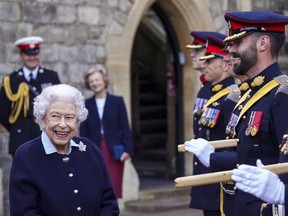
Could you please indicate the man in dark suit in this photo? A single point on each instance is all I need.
(19, 90)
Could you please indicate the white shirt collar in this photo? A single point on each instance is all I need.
(49, 147)
(27, 72)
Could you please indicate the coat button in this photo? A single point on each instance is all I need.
(71, 174)
(78, 208)
(195, 163)
(66, 159)
(19, 131)
(75, 191)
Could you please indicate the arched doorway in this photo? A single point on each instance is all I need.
(184, 15)
(156, 84)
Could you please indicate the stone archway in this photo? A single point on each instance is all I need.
(185, 15)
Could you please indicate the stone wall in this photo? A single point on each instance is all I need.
(75, 32)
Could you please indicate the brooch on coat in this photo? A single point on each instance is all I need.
(81, 146)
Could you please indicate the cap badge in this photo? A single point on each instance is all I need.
(229, 25)
(32, 46)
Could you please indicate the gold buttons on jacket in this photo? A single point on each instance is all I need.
(71, 175)
(78, 208)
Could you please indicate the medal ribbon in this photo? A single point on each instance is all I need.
(257, 96)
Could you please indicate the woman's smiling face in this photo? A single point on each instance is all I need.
(60, 124)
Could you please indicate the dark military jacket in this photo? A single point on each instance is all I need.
(25, 128)
(260, 130)
(211, 127)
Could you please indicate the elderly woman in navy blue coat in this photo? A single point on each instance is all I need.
(58, 173)
(107, 125)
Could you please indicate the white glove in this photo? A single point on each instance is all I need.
(234, 93)
(201, 148)
(259, 182)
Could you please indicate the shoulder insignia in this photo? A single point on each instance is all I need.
(217, 88)
(283, 81)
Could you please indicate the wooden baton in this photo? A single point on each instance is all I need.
(216, 177)
(216, 144)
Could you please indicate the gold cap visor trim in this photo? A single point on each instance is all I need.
(189, 46)
(202, 58)
(234, 37)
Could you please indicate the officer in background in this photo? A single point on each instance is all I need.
(19, 90)
(198, 48)
(212, 122)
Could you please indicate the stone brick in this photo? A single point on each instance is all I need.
(68, 54)
(5, 68)
(88, 15)
(72, 34)
(12, 53)
(50, 53)
(24, 30)
(115, 28)
(100, 53)
(120, 17)
(88, 54)
(66, 15)
(106, 15)
(94, 32)
(125, 5)
(31, 13)
(10, 12)
(7, 32)
(113, 3)
(76, 72)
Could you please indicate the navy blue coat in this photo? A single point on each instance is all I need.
(199, 198)
(115, 123)
(42, 184)
(25, 128)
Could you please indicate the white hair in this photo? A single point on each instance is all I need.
(54, 93)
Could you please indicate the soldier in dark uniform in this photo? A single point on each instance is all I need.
(260, 114)
(212, 122)
(19, 90)
(198, 48)
(227, 188)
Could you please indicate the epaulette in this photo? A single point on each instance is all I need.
(283, 81)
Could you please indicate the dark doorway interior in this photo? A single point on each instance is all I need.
(156, 112)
